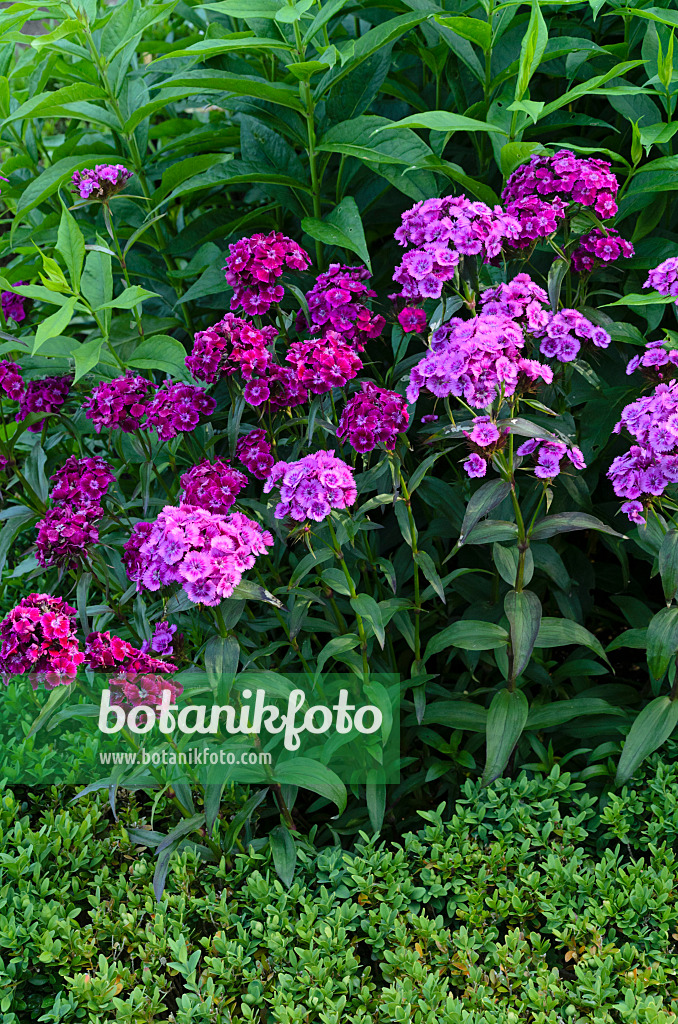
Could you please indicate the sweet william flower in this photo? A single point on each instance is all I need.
(177, 407)
(81, 482)
(66, 534)
(39, 638)
(212, 485)
(231, 345)
(312, 486)
(475, 465)
(373, 416)
(13, 305)
(412, 320)
(336, 303)
(254, 452)
(120, 404)
(101, 182)
(254, 266)
(664, 278)
(44, 396)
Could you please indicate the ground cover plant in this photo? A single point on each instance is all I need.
(341, 338)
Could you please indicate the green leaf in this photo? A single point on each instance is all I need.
(222, 656)
(443, 121)
(161, 352)
(51, 104)
(208, 48)
(128, 299)
(456, 714)
(468, 635)
(360, 49)
(668, 564)
(343, 227)
(562, 632)
(486, 498)
(651, 729)
(566, 522)
(633, 638)
(206, 80)
(284, 852)
(375, 796)
(512, 154)
(86, 355)
(476, 31)
(425, 563)
(71, 245)
(338, 645)
(649, 299)
(523, 610)
(55, 325)
(97, 279)
(368, 610)
(586, 88)
(531, 49)
(490, 531)
(506, 720)
(662, 641)
(547, 716)
(9, 531)
(56, 698)
(314, 776)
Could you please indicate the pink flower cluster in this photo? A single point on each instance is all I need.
(521, 299)
(564, 333)
(138, 679)
(13, 305)
(474, 359)
(82, 482)
(212, 485)
(311, 487)
(373, 416)
(549, 456)
(654, 357)
(537, 218)
(254, 451)
(599, 247)
(119, 404)
(442, 231)
(324, 363)
(232, 344)
(44, 396)
(11, 381)
(412, 320)
(101, 182)
(664, 278)
(205, 552)
(335, 302)
(178, 407)
(38, 636)
(254, 266)
(65, 535)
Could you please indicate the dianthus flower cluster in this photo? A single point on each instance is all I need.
(138, 678)
(13, 305)
(120, 404)
(254, 451)
(11, 381)
(232, 344)
(212, 485)
(653, 358)
(564, 333)
(484, 432)
(311, 487)
(162, 641)
(335, 301)
(664, 278)
(412, 320)
(473, 359)
(102, 181)
(178, 407)
(44, 396)
(205, 552)
(549, 456)
(38, 636)
(281, 387)
(373, 416)
(65, 535)
(442, 231)
(521, 299)
(254, 266)
(486, 435)
(556, 182)
(598, 247)
(82, 482)
(324, 363)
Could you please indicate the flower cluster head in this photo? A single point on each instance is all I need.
(412, 320)
(11, 381)
(178, 407)
(311, 487)
(335, 302)
(473, 359)
(281, 387)
(521, 299)
(441, 232)
(81, 482)
(44, 396)
(120, 404)
(101, 182)
(654, 357)
(66, 534)
(564, 333)
(38, 636)
(13, 305)
(373, 416)
(205, 552)
(254, 266)
(212, 485)
(549, 456)
(162, 641)
(254, 452)
(323, 363)
(475, 465)
(558, 181)
(597, 247)
(664, 278)
(232, 344)
(484, 432)
(137, 677)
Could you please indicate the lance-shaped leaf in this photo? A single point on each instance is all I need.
(506, 720)
(566, 522)
(651, 729)
(523, 610)
(668, 564)
(482, 502)
(662, 641)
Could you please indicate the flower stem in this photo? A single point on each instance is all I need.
(351, 587)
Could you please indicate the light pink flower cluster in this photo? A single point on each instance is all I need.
(336, 302)
(38, 637)
(254, 451)
(205, 552)
(521, 299)
(102, 181)
(178, 407)
(44, 396)
(254, 266)
(11, 381)
(598, 247)
(81, 482)
(232, 344)
(120, 404)
(324, 363)
(373, 416)
(311, 487)
(212, 485)
(549, 456)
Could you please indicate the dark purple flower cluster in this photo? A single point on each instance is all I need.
(81, 482)
(254, 451)
(13, 305)
(212, 485)
(281, 387)
(120, 404)
(11, 381)
(44, 396)
(38, 636)
(664, 278)
(599, 247)
(254, 266)
(66, 534)
(232, 344)
(441, 232)
(311, 487)
(162, 641)
(101, 182)
(178, 407)
(324, 363)
(549, 456)
(336, 301)
(373, 416)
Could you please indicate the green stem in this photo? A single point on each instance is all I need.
(351, 587)
(415, 551)
(108, 220)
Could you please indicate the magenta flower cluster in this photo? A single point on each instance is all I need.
(254, 266)
(43, 396)
(664, 278)
(137, 678)
(232, 344)
(412, 320)
(65, 535)
(11, 381)
(373, 416)
(82, 482)
(254, 452)
(13, 305)
(38, 637)
(321, 364)
(212, 485)
(119, 404)
(280, 387)
(177, 407)
(598, 247)
(311, 487)
(205, 552)
(101, 182)
(336, 301)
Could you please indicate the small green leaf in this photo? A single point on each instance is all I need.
(486, 498)
(161, 352)
(284, 852)
(531, 49)
(368, 610)
(668, 564)
(662, 641)
(468, 635)
(473, 29)
(442, 121)
(55, 325)
(71, 245)
(128, 299)
(86, 356)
